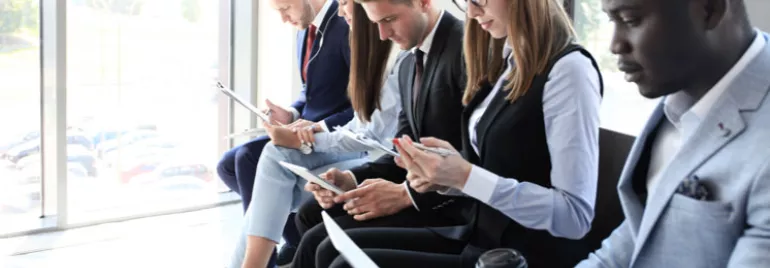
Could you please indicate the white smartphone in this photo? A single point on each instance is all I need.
(304, 173)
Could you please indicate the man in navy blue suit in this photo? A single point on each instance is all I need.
(324, 68)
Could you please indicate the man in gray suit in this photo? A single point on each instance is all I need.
(695, 190)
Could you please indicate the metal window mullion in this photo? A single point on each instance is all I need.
(53, 97)
(224, 111)
(244, 64)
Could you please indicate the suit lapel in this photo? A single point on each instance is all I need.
(302, 39)
(720, 126)
(496, 106)
(629, 199)
(331, 14)
(467, 112)
(408, 67)
(434, 56)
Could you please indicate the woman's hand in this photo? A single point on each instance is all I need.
(428, 171)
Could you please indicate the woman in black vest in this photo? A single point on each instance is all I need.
(530, 147)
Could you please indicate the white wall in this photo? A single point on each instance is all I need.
(759, 13)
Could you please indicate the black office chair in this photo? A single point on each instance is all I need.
(613, 150)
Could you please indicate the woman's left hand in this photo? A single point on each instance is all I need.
(430, 169)
(306, 133)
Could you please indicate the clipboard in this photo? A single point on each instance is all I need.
(231, 94)
(304, 173)
(353, 254)
(360, 138)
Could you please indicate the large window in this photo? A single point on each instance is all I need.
(20, 180)
(142, 114)
(623, 108)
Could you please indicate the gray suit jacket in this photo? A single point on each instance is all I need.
(730, 230)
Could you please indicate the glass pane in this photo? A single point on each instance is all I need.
(141, 107)
(623, 108)
(20, 170)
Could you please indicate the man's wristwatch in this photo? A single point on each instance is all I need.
(305, 148)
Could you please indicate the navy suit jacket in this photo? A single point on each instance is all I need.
(324, 94)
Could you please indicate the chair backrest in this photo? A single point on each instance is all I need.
(613, 150)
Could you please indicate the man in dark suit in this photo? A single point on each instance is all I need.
(431, 80)
(323, 102)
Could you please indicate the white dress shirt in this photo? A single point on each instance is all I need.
(317, 21)
(571, 100)
(684, 114)
(428, 41)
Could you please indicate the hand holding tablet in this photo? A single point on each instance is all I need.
(304, 173)
(231, 94)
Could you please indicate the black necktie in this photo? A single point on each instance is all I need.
(418, 68)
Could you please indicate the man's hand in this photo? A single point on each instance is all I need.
(300, 123)
(278, 114)
(334, 176)
(375, 198)
(282, 136)
(423, 186)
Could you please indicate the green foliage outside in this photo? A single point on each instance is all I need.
(18, 15)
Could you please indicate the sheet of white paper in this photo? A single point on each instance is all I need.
(350, 251)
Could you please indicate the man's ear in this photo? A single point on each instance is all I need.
(423, 5)
(714, 12)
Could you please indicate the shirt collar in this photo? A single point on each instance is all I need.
(319, 18)
(428, 41)
(508, 57)
(680, 103)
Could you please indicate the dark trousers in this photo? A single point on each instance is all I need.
(237, 169)
(397, 247)
(313, 232)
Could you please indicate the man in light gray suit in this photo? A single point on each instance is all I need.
(695, 190)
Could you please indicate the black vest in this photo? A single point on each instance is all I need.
(512, 144)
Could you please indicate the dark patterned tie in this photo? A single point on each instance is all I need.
(418, 69)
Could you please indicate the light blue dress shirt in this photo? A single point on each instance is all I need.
(382, 126)
(571, 101)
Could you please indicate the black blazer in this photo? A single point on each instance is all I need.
(439, 107)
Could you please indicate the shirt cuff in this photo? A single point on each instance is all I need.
(294, 114)
(353, 176)
(481, 184)
(323, 126)
(409, 193)
(450, 192)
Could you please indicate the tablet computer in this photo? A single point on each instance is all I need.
(360, 138)
(231, 94)
(304, 173)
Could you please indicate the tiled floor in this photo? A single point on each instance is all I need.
(195, 239)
